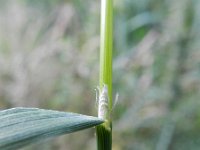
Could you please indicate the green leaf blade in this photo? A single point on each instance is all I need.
(22, 126)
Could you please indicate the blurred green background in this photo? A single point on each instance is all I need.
(49, 58)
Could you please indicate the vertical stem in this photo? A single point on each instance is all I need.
(106, 47)
(104, 131)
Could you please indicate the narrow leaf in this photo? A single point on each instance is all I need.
(22, 126)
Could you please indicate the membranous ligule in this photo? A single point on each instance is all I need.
(103, 103)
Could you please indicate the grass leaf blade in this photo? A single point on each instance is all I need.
(22, 126)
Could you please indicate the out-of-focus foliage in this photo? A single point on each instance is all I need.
(49, 58)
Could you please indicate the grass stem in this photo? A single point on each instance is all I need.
(104, 131)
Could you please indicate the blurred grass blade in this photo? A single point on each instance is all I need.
(22, 126)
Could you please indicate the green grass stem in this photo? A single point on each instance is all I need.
(104, 131)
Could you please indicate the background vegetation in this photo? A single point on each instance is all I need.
(49, 55)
